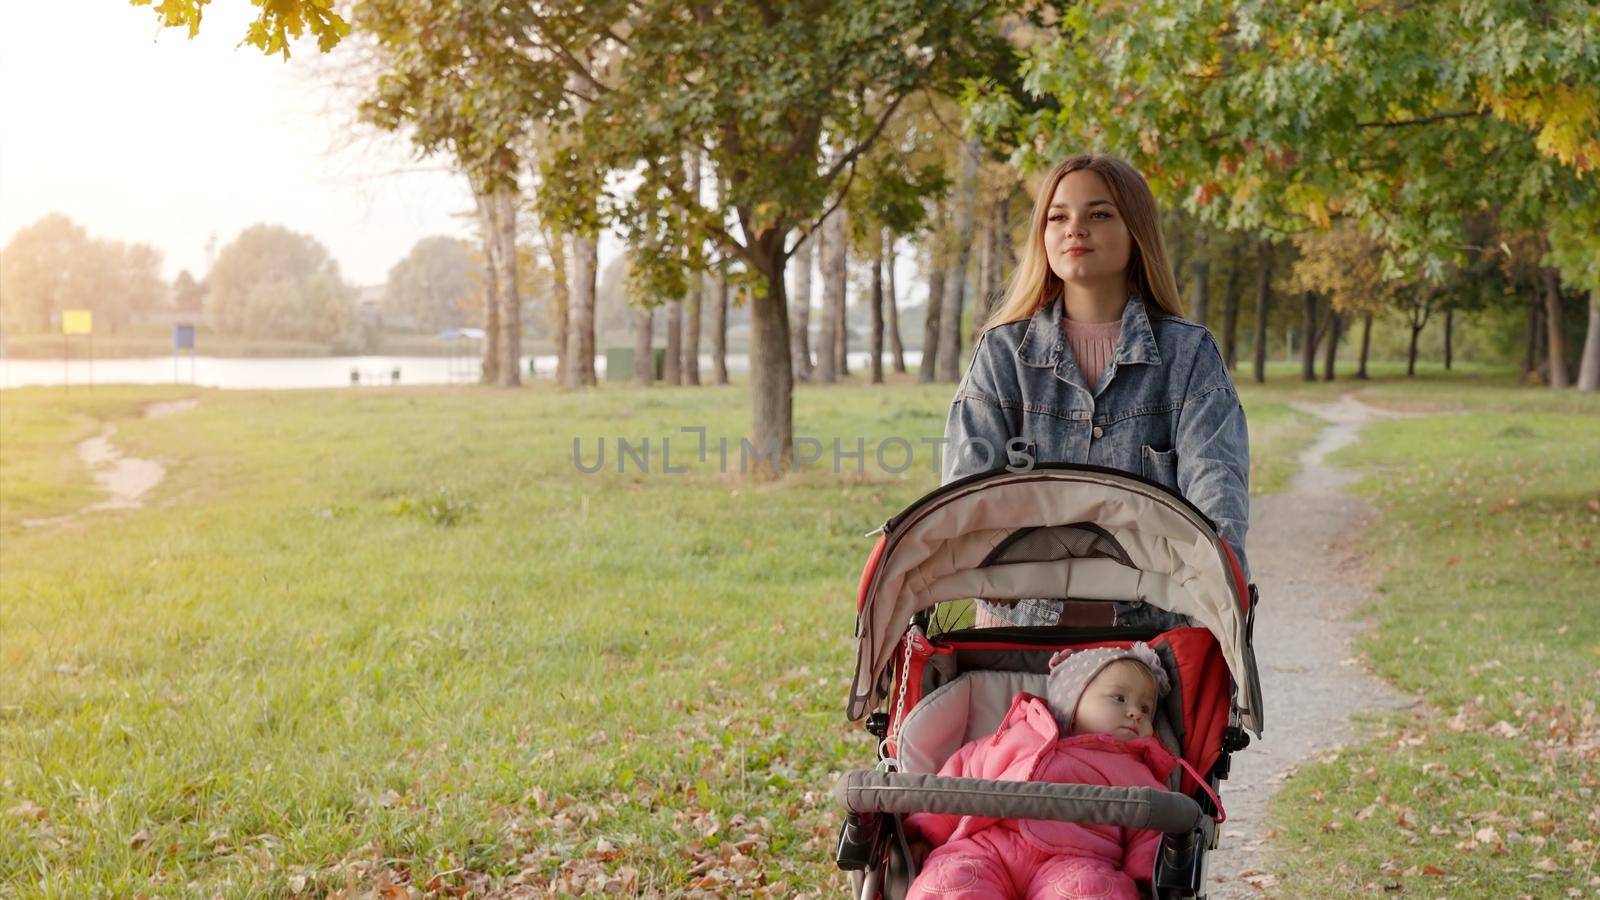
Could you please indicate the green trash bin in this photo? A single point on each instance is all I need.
(619, 363)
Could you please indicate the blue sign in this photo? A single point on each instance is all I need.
(183, 337)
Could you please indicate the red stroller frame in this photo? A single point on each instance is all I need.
(1078, 533)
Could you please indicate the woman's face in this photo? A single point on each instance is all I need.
(1085, 237)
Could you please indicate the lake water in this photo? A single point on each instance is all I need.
(300, 372)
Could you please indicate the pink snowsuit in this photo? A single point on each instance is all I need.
(983, 857)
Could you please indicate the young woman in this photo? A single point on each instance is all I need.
(1087, 360)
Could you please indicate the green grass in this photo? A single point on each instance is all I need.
(1487, 561)
(359, 636)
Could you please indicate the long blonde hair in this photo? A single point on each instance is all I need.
(1149, 273)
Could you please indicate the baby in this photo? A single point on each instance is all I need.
(1096, 729)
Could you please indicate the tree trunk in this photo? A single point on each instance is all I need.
(1366, 344)
(771, 379)
(691, 330)
(876, 340)
(986, 265)
(830, 253)
(1530, 346)
(1178, 245)
(689, 367)
(1308, 352)
(1230, 313)
(930, 323)
(1200, 306)
(1263, 302)
(1335, 326)
(510, 370)
(897, 350)
(491, 288)
(719, 332)
(841, 312)
(1555, 324)
(671, 368)
(560, 309)
(1589, 363)
(1541, 351)
(580, 340)
(644, 363)
(1002, 260)
(1417, 324)
(955, 283)
(841, 325)
(1449, 336)
(800, 308)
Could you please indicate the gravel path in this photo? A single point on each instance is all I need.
(1312, 580)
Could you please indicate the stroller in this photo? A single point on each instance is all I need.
(1116, 549)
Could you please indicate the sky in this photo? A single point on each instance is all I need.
(139, 134)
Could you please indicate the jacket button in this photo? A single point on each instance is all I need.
(1098, 431)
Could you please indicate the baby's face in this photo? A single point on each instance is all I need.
(1119, 702)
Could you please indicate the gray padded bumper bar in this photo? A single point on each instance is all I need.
(871, 791)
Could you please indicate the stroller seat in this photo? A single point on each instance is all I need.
(970, 706)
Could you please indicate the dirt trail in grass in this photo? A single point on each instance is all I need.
(125, 479)
(1303, 546)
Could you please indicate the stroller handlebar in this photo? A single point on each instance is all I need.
(872, 791)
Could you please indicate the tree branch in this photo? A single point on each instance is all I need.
(1425, 120)
(849, 158)
(843, 192)
(550, 44)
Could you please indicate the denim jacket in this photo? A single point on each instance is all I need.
(1164, 408)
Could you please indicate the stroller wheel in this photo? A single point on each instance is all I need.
(866, 885)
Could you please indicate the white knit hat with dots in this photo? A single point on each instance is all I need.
(1072, 670)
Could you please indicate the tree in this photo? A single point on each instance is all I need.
(1264, 255)
(433, 285)
(278, 22)
(1342, 263)
(756, 89)
(188, 295)
(800, 307)
(719, 330)
(692, 303)
(561, 300)
(1230, 304)
(897, 350)
(54, 264)
(832, 268)
(886, 201)
(955, 282)
(275, 283)
(454, 75)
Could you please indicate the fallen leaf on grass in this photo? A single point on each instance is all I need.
(28, 812)
(139, 839)
(1434, 871)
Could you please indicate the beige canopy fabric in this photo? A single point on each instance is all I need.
(936, 551)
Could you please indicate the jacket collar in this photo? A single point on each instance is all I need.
(1044, 342)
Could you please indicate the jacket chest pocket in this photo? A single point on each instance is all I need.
(1160, 466)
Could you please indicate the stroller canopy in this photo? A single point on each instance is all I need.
(960, 542)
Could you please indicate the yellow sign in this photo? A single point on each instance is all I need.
(77, 321)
